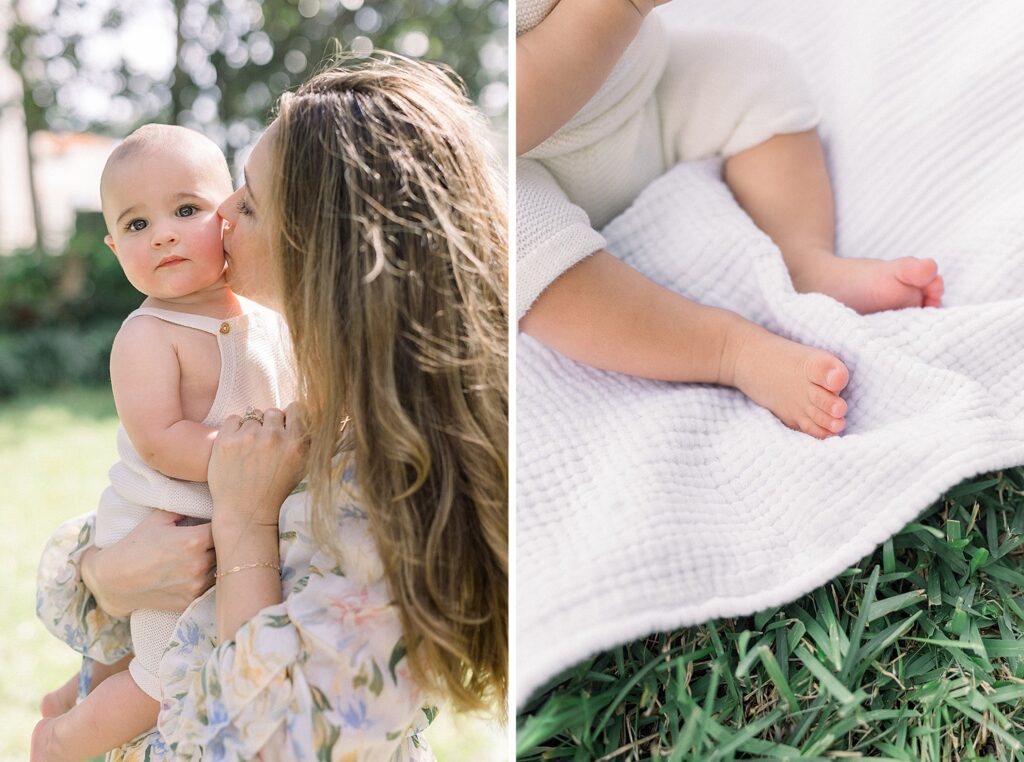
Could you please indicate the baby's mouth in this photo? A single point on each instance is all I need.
(170, 261)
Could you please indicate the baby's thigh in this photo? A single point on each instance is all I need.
(725, 91)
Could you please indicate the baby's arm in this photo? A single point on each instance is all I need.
(562, 61)
(146, 378)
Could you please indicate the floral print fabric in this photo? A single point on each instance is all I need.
(320, 676)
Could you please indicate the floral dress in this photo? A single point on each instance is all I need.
(320, 676)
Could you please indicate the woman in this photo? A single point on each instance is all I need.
(371, 219)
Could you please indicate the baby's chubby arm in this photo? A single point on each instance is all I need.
(146, 378)
(562, 61)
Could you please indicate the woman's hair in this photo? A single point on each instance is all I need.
(393, 248)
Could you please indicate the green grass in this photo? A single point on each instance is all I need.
(916, 653)
(55, 450)
(54, 454)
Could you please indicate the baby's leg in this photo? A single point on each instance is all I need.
(604, 313)
(55, 703)
(113, 714)
(783, 185)
(743, 97)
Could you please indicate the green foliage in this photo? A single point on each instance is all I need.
(59, 314)
(54, 356)
(94, 286)
(916, 653)
(81, 286)
(27, 282)
(233, 59)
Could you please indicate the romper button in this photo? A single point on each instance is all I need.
(225, 328)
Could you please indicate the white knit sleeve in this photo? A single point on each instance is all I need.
(552, 233)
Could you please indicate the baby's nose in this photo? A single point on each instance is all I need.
(164, 238)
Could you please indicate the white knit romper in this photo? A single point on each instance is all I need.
(256, 368)
(673, 96)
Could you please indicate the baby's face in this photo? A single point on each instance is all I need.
(161, 208)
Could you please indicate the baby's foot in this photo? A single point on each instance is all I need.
(55, 703)
(46, 744)
(799, 384)
(873, 285)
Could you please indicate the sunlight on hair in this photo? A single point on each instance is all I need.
(393, 239)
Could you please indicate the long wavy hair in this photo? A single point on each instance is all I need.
(393, 246)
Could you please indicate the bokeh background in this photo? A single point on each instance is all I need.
(75, 77)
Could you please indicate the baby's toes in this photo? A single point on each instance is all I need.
(830, 423)
(916, 272)
(826, 401)
(933, 292)
(808, 426)
(826, 371)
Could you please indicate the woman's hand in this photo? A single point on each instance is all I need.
(255, 467)
(155, 566)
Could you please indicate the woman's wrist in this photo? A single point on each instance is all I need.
(234, 514)
(237, 543)
(249, 576)
(226, 527)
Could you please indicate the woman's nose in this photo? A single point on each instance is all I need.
(228, 210)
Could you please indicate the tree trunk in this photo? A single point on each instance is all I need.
(32, 113)
(179, 78)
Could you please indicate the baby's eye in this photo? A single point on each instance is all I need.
(243, 208)
(187, 210)
(136, 225)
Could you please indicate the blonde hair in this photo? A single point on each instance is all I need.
(393, 261)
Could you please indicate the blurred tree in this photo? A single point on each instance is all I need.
(83, 66)
(19, 51)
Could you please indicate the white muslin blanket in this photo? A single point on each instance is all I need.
(644, 506)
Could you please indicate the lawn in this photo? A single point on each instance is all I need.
(55, 450)
(915, 654)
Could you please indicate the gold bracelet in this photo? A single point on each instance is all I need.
(255, 565)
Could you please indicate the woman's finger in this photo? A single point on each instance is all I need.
(202, 534)
(231, 423)
(294, 421)
(272, 417)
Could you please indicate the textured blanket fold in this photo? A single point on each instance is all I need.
(644, 505)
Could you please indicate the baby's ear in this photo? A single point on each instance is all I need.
(109, 241)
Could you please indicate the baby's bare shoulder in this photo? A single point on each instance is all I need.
(143, 332)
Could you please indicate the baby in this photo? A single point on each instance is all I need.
(607, 100)
(193, 354)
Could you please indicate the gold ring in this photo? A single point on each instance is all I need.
(251, 414)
